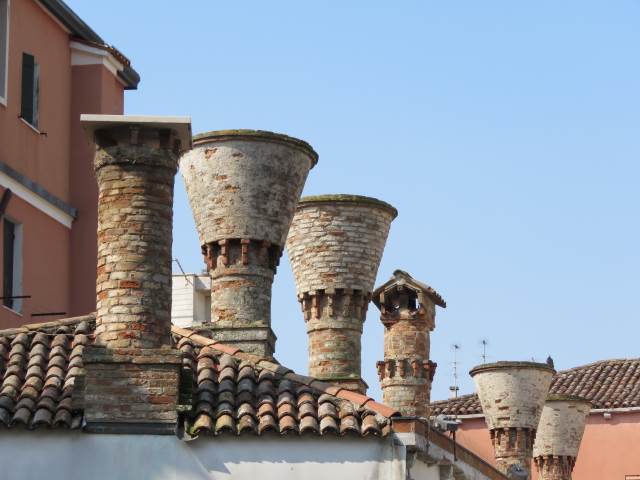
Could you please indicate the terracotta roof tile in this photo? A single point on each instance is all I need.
(237, 395)
(232, 392)
(38, 369)
(606, 384)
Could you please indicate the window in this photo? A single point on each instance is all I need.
(4, 49)
(12, 264)
(30, 89)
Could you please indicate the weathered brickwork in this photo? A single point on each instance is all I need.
(135, 169)
(559, 435)
(126, 387)
(243, 187)
(407, 311)
(336, 241)
(512, 395)
(132, 372)
(335, 246)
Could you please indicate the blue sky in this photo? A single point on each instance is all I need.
(506, 134)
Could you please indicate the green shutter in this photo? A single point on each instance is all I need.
(28, 84)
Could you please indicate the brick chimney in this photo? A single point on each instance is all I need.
(335, 246)
(512, 395)
(408, 312)
(243, 187)
(559, 435)
(132, 372)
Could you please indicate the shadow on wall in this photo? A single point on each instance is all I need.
(74, 456)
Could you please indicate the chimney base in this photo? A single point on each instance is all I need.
(131, 390)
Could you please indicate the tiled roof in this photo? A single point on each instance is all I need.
(39, 367)
(232, 392)
(236, 392)
(606, 384)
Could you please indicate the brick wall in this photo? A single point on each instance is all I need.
(335, 246)
(135, 211)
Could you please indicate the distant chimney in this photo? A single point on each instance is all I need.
(243, 187)
(512, 395)
(132, 371)
(408, 312)
(559, 435)
(335, 246)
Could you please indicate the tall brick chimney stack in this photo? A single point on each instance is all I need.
(559, 435)
(408, 312)
(132, 371)
(243, 187)
(335, 246)
(512, 395)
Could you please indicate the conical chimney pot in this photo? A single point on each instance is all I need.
(243, 187)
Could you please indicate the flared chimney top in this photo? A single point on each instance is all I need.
(335, 246)
(243, 188)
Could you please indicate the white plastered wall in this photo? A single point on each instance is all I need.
(74, 456)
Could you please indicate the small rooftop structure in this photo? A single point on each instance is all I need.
(401, 278)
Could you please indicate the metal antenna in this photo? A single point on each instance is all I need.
(182, 270)
(484, 342)
(454, 388)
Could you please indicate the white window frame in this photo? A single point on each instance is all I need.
(5, 9)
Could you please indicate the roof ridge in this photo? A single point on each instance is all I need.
(598, 362)
(357, 399)
(461, 397)
(36, 327)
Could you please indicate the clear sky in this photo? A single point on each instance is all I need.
(506, 133)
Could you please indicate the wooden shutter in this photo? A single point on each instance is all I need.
(28, 87)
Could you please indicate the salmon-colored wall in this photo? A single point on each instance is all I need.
(42, 158)
(59, 263)
(45, 265)
(95, 90)
(606, 452)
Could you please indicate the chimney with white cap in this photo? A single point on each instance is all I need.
(132, 371)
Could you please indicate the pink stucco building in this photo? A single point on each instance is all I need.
(53, 67)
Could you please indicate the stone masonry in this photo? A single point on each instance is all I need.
(407, 311)
(132, 372)
(559, 435)
(512, 395)
(243, 187)
(335, 246)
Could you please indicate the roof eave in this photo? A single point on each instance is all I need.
(78, 28)
(130, 77)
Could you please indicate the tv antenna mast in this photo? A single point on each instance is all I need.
(455, 388)
(484, 342)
